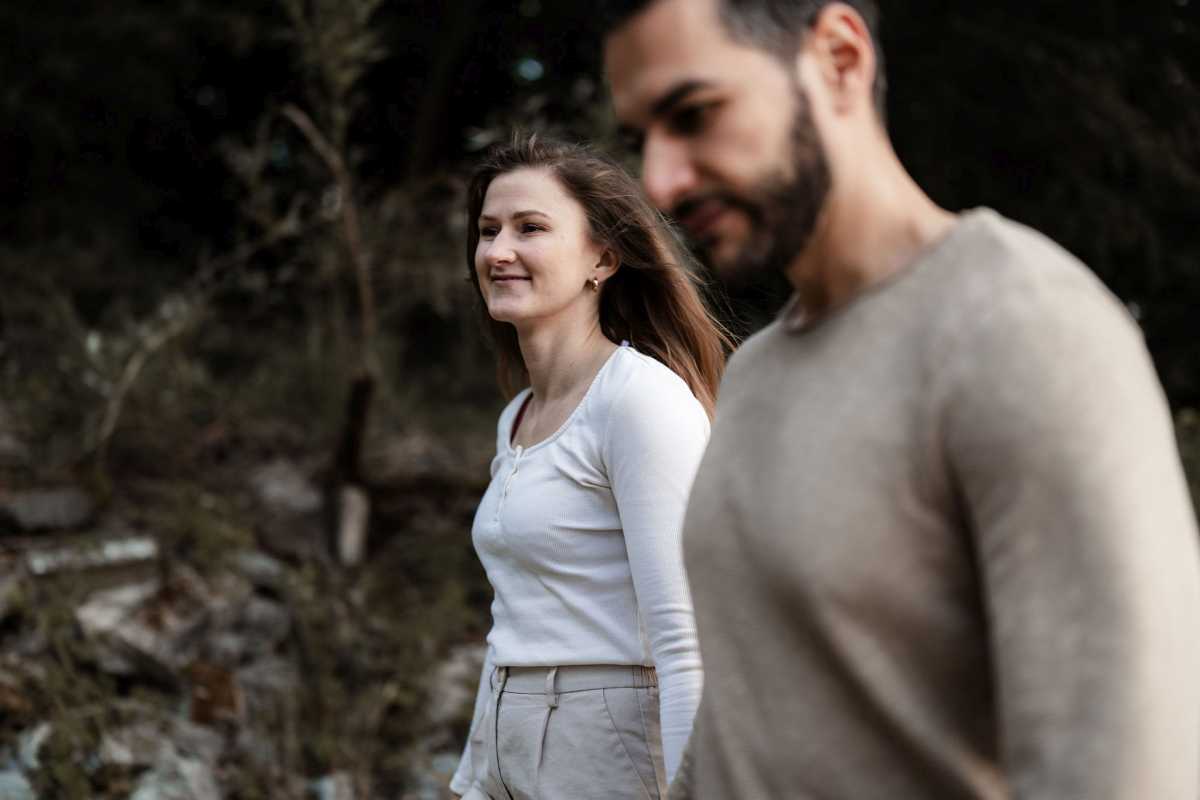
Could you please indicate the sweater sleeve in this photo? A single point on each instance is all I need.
(1060, 441)
(464, 775)
(654, 441)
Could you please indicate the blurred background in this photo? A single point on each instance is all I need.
(246, 406)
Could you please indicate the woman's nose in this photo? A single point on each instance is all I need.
(499, 251)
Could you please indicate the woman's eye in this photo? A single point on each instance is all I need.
(487, 231)
(530, 227)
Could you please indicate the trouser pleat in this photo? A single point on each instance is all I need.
(551, 695)
(501, 677)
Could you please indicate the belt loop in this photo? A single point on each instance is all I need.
(551, 695)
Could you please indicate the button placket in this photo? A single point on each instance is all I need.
(516, 466)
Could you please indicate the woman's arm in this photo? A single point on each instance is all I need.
(464, 776)
(656, 436)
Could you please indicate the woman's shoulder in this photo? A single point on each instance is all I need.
(631, 369)
(637, 383)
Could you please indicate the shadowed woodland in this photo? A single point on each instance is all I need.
(246, 404)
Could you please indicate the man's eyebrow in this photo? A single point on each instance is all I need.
(665, 104)
(677, 95)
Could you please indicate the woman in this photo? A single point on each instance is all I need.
(588, 298)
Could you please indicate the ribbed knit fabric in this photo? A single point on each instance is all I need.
(941, 546)
(580, 538)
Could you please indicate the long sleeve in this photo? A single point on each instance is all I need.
(682, 785)
(1060, 440)
(464, 775)
(653, 447)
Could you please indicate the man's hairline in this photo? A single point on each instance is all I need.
(730, 31)
(750, 42)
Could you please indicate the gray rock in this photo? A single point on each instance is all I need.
(453, 684)
(269, 687)
(226, 648)
(175, 777)
(15, 786)
(147, 744)
(117, 551)
(133, 746)
(260, 569)
(431, 776)
(249, 629)
(265, 623)
(156, 629)
(105, 610)
(258, 749)
(272, 676)
(197, 741)
(104, 613)
(229, 594)
(337, 786)
(29, 746)
(282, 487)
(58, 508)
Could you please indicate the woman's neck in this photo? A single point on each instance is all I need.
(561, 361)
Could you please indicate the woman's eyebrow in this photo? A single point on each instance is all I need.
(530, 212)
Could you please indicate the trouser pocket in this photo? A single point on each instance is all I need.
(591, 745)
(633, 715)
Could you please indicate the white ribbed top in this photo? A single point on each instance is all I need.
(580, 536)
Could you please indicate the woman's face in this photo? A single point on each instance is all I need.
(535, 254)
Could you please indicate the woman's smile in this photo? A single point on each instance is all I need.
(501, 280)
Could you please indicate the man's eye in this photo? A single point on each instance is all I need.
(690, 119)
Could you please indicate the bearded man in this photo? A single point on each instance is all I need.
(941, 543)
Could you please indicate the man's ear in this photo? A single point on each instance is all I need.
(839, 43)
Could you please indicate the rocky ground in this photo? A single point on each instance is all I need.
(206, 638)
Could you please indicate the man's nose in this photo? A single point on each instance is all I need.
(667, 171)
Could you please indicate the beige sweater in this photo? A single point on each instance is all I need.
(941, 546)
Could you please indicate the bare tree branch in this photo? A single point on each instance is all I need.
(351, 226)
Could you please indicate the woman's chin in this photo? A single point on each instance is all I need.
(504, 312)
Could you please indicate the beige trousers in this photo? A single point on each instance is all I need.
(569, 733)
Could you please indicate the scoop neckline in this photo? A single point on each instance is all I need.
(575, 412)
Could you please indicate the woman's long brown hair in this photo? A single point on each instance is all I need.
(653, 300)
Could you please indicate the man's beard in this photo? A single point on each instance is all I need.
(782, 208)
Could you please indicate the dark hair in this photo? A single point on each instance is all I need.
(653, 300)
(775, 26)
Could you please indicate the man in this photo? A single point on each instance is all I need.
(940, 544)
